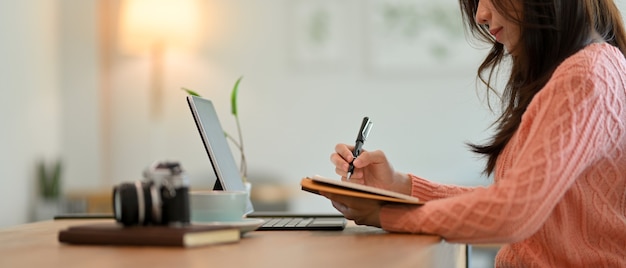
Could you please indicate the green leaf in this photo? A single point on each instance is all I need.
(49, 181)
(190, 92)
(41, 174)
(233, 97)
(55, 180)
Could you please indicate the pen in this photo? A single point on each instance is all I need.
(366, 126)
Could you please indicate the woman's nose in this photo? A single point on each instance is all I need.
(483, 14)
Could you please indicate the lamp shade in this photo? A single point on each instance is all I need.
(171, 24)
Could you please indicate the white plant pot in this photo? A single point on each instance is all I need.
(46, 209)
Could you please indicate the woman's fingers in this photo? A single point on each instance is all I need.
(341, 158)
(345, 151)
(340, 207)
(360, 210)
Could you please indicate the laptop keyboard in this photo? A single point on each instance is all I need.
(287, 222)
(302, 223)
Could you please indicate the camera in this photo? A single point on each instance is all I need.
(162, 199)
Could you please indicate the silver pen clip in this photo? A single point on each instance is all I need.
(366, 130)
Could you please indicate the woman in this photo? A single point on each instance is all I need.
(559, 152)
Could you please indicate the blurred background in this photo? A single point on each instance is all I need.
(93, 87)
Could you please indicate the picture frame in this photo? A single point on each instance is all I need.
(319, 33)
(416, 36)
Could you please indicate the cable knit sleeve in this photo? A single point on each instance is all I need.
(427, 190)
(574, 121)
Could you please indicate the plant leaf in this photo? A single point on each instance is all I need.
(233, 97)
(190, 92)
(41, 173)
(55, 183)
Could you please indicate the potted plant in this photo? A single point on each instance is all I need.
(243, 167)
(49, 190)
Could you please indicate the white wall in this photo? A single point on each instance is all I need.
(292, 113)
(30, 108)
(79, 79)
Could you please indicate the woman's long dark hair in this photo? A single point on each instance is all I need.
(550, 31)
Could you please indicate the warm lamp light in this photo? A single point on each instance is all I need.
(167, 23)
(154, 26)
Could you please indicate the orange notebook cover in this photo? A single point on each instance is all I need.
(317, 183)
(117, 234)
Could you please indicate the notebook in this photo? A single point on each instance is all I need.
(228, 177)
(154, 235)
(318, 183)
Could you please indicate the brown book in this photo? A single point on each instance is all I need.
(318, 184)
(116, 234)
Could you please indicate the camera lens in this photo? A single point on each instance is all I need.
(132, 204)
(162, 199)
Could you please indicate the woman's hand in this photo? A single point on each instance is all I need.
(370, 168)
(361, 211)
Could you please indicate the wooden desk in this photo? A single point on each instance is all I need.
(36, 245)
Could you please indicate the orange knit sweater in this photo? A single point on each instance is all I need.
(559, 197)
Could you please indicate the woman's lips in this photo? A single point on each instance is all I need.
(495, 33)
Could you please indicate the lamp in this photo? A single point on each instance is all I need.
(155, 26)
